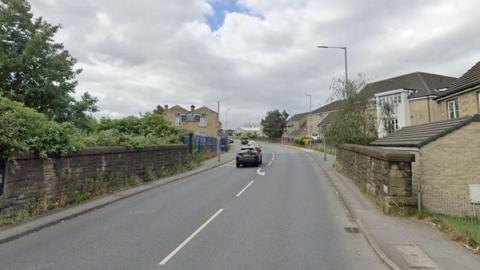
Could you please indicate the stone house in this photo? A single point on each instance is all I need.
(313, 119)
(447, 158)
(202, 121)
(296, 125)
(411, 97)
(462, 98)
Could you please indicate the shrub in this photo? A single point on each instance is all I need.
(25, 130)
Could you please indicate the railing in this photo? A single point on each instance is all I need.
(455, 209)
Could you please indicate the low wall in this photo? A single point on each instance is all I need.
(29, 181)
(385, 175)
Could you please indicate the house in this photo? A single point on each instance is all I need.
(411, 99)
(462, 98)
(314, 118)
(253, 128)
(296, 125)
(202, 121)
(447, 158)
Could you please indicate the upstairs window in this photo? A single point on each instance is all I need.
(203, 121)
(452, 108)
(178, 121)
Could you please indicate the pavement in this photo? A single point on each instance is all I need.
(406, 242)
(284, 214)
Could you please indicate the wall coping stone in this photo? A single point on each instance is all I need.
(380, 153)
(106, 151)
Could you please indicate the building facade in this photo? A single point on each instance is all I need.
(202, 121)
(411, 99)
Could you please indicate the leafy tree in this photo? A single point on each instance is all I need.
(34, 69)
(275, 123)
(355, 120)
(159, 109)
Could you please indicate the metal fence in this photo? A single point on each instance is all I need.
(198, 143)
(454, 205)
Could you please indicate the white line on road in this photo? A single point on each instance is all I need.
(273, 156)
(260, 172)
(185, 242)
(245, 188)
(269, 163)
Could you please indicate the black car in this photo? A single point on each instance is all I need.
(249, 155)
(244, 140)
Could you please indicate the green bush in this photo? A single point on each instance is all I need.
(302, 140)
(25, 130)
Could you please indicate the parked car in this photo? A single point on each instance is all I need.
(249, 155)
(244, 140)
(230, 141)
(315, 137)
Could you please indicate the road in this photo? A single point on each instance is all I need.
(283, 215)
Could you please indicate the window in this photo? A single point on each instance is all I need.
(203, 121)
(178, 121)
(391, 125)
(478, 96)
(452, 108)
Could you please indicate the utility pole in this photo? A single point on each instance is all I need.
(309, 119)
(218, 132)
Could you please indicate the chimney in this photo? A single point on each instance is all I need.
(192, 108)
(166, 107)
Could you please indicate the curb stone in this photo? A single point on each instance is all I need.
(370, 240)
(23, 229)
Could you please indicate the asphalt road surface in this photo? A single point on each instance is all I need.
(283, 215)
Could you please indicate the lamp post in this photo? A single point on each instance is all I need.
(218, 132)
(346, 88)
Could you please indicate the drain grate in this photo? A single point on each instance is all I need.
(351, 229)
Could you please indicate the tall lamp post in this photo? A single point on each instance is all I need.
(226, 119)
(346, 89)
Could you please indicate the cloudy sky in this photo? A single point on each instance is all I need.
(254, 55)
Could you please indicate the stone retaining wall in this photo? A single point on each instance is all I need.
(385, 175)
(29, 181)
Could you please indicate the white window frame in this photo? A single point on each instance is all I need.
(203, 121)
(178, 121)
(452, 109)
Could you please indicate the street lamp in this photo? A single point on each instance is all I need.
(346, 89)
(226, 118)
(310, 97)
(346, 62)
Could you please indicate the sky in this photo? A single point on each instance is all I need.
(254, 55)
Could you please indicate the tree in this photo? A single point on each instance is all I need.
(275, 123)
(159, 109)
(355, 120)
(34, 69)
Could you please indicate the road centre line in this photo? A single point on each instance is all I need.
(269, 163)
(185, 242)
(245, 188)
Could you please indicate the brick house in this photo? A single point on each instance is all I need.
(202, 121)
(411, 97)
(462, 98)
(447, 158)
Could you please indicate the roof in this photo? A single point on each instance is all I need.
(297, 116)
(423, 83)
(332, 106)
(420, 135)
(470, 79)
(299, 130)
(328, 120)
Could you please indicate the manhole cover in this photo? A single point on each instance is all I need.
(416, 257)
(351, 229)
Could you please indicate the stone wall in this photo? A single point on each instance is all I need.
(385, 175)
(468, 104)
(29, 180)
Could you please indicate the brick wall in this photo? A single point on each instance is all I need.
(29, 180)
(385, 175)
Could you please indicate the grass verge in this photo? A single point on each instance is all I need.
(466, 230)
